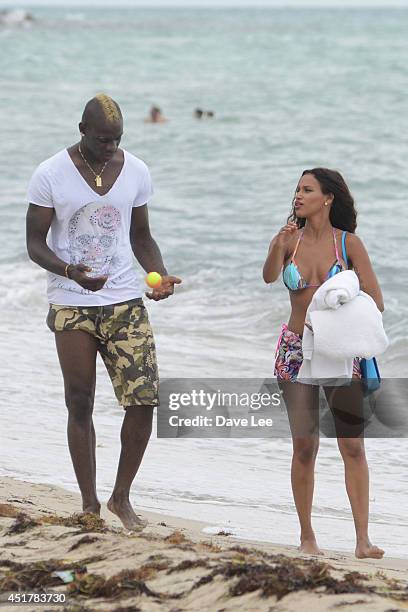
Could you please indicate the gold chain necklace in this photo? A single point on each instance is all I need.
(98, 177)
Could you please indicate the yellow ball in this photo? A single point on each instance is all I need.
(153, 279)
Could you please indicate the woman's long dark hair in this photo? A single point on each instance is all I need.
(343, 214)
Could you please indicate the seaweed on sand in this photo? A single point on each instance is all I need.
(22, 523)
(84, 540)
(8, 511)
(208, 546)
(127, 582)
(75, 608)
(188, 564)
(283, 576)
(127, 609)
(177, 538)
(87, 521)
(37, 575)
(289, 575)
(14, 544)
(154, 563)
(243, 550)
(11, 564)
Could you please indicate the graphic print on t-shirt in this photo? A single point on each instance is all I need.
(93, 237)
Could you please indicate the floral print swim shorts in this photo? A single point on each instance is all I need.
(289, 356)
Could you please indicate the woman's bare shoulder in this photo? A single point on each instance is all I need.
(354, 242)
(351, 239)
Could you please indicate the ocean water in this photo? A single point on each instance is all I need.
(291, 89)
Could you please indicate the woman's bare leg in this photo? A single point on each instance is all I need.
(303, 411)
(346, 404)
(357, 486)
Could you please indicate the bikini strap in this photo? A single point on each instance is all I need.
(296, 247)
(335, 244)
(343, 247)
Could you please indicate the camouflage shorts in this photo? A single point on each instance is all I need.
(125, 343)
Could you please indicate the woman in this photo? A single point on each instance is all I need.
(309, 249)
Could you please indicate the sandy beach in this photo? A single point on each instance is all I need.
(171, 564)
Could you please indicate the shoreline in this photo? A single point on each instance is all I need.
(195, 525)
(193, 565)
(64, 502)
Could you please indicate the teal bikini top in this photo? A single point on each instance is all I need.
(294, 280)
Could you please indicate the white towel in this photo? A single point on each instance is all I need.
(346, 323)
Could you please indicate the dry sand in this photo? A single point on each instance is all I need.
(172, 565)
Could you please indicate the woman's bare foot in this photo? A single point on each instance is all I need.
(125, 512)
(366, 550)
(310, 547)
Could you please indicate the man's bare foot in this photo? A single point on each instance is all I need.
(310, 547)
(123, 510)
(91, 509)
(366, 550)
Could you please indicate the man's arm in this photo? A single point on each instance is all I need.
(148, 253)
(38, 223)
(143, 244)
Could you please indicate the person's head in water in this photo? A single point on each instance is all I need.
(210, 114)
(322, 189)
(155, 115)
(101, 128)
(155, 112)
(198, 113)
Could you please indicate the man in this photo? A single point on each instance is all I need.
(93, 198)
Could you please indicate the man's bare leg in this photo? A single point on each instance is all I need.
(135, 434)
(93, 435)
(77, 355)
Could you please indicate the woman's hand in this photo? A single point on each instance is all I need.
(277, 252)
(285, 234)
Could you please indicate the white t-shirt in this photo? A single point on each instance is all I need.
(90, 228)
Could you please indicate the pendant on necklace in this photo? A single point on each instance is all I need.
(98, 181)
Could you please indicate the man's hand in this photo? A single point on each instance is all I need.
(166, 288)
(92, 283)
